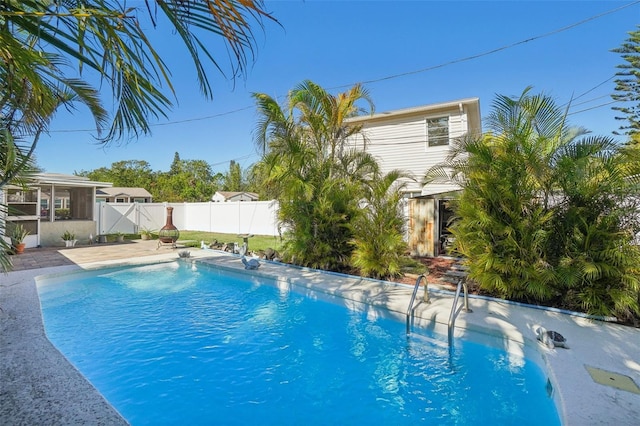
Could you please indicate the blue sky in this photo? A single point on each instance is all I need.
(390, 46)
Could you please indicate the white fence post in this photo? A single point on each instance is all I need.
(246, 217)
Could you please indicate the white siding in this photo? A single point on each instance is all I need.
(401, 143)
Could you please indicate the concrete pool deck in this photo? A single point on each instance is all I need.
(39, 386)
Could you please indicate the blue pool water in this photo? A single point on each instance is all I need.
(166, 344)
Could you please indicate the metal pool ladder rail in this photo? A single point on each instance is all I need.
(425, 298)
(462, 283)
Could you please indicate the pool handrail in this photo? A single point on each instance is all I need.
(425, 298)
(462, 283)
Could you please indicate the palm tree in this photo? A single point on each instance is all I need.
(39, 38)
(307, 166)
(378, 231)
(323, 116)
(47, 49)
(20, 129)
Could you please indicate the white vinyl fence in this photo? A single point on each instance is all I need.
(240, 217)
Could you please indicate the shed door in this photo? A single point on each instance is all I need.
(421, 227)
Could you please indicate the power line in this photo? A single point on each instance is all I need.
(204, 118)
(244, 157)
(431, 68)
(595, 87)
(594, 107)
(590, 100)
(499, 49)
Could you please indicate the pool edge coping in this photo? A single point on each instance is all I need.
(588, 410)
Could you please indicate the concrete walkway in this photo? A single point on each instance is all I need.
(46, 257)
(38, 386)
(594, 382)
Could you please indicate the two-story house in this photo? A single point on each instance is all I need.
(413, 140)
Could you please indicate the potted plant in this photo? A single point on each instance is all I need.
(146, 234)
(119, 237)
(69, 238)
(17, 238)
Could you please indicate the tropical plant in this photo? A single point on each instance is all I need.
(309, 168)
(500, 228)
(16, 166)
(378, 229)
(544, 212)
(68, 236)
(148, 232)
(594, 228)
(110, 38)
(321, 122)
(5, 247)
(107, 41)
(18, 234)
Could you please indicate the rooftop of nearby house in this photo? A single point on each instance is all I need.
(118, 191)
(230, 194)
(66, 180)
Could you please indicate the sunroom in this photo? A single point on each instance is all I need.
(50, 205)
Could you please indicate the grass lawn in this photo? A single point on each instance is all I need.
(257, 242)
(263, 242)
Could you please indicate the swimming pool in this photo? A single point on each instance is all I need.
(167, 344)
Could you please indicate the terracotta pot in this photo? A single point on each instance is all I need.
(20, 248)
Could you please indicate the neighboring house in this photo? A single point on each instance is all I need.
(52, 204)
(413, 140)
(123, 195)
(224, 196)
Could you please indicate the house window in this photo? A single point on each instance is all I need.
(438, 131)
(139, 200)
(121, 200)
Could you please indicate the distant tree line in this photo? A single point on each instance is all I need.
(185, 181)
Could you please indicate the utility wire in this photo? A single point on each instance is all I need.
(590, 100)
(394, 76)
(595, 87)
(499, 49)
(594, 107)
